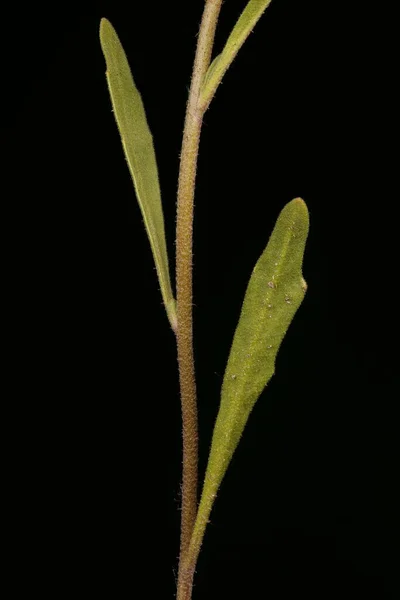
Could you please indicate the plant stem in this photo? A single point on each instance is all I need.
(184, 248)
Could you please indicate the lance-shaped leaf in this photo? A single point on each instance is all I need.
(138, 146)
(274, 293)
(238, 36)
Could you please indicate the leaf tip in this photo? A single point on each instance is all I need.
(297, 211)
(105, 29)
(299, 204)
(104, 23)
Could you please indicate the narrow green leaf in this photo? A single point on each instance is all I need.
(238, 36)
(274, 293)
(138, 146)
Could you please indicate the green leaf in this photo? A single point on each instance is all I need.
(274, 293)
(238, 36)
(138, 146)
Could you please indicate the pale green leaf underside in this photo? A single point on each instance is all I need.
(138, 146)
(274, 293)
(238, 36)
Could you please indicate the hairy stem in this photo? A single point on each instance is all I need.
(184, 248)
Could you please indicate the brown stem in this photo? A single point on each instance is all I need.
(184, 248)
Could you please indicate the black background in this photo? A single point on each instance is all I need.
(309, 108)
